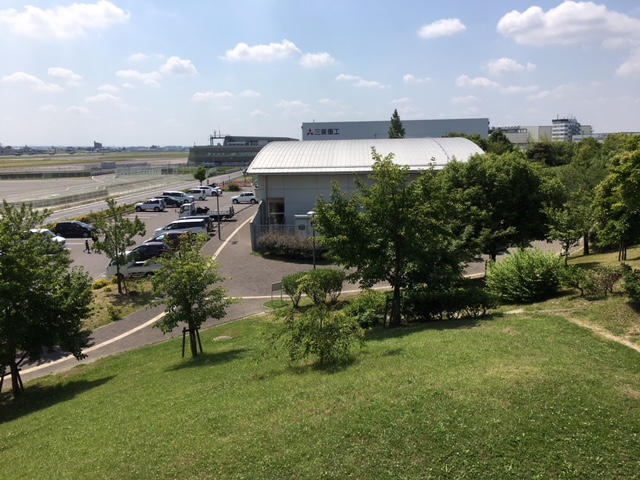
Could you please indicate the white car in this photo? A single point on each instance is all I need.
(155, 204)
(197, 193)
(49, 235)
(212, 191)
(245, 197)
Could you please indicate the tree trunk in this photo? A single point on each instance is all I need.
(585, 242)
(193, 341)
(395, 308)
(16, 382)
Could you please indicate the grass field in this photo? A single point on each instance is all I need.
(508, 397)
(33, 161)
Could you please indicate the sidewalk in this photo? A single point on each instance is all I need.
(248, 278)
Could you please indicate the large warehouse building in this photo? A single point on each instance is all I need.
(291, 175)
(380, 129)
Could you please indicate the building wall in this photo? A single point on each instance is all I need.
(380, 129)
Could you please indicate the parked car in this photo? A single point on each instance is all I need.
(173, 238)
(178, 195)
(245, 197)
(155, 204)
(197, 193)
(75, 229)
(147, 251)
(132, 269)
(196, 225)
(212, 191)
(170, 202)
(49, 235)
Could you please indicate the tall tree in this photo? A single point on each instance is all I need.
(119, 233)
(502, 198)
(42, 302)
(200, 174)
(386, 230)
(396, 130)
(186, 285)
(498, 143)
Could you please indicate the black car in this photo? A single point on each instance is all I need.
(170, 202)
(75, 229)
(148, 250)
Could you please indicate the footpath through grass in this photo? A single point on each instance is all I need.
(510, 397)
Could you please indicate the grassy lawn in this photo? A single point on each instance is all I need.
(508, 397)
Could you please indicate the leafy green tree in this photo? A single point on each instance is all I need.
(396, 130)
(498, 143)
(119, 233)
(565, 226)
(187, 286)
(390, 230)
(200, 174)
(499, 199)
(617, 203)
(475, 138)
(42, 302)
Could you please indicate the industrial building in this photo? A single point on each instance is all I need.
(380, 129)
(291, 175)
(224, 151)
(561, 130)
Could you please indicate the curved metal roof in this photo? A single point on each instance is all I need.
(333, 156)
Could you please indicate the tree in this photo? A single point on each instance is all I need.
(42, 302)
(565, 226)
(389, 231)
(396, 130)
(498, 143)
(119, 233)
(500, 200)
(200, 174)
(186, 285)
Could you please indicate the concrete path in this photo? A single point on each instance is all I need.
(249, 279)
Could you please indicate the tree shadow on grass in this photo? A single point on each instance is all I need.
(382, 334)
(206, 358)
(39, 397)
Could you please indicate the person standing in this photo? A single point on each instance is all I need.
(87, 247)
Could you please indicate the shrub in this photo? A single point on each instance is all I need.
(114, 313)
(423, 304)
(318, 332)
(602, 279)
(234, 187)
(288, 245)
(368, 308)
(631, 282)
(291, 286)
(573, 276)
(527, 275)
(329, 282)
(100, 283)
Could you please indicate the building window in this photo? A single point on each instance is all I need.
(276, 211)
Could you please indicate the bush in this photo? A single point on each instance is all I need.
(573, 276)
(288, 245)
(318, 332)
(316, 284)
(368, 308)
(528, 275)
(423, 304)
(291, 286)
(101, 283)
(631, 282)
(234, 187)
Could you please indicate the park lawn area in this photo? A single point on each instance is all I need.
(518, 396)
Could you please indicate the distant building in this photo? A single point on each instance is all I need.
(561, 130)
(230, 151)
(380, 129)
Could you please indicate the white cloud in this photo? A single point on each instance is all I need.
(358, 81)
(464, 100)
(631, 68)
(400, 101)
(507, 65)
(442, 28)
(293, 107)
(210, 97)
(250, 94)
(177, 66)
(65, 74)
(66, 22)
(520, 90)
(258, 114)
(466, 81)
(151, 78)
(107, 88)
(569, 23)
(412, 79)
(316, 60)
(137, 57)
(102, 97)
(78, 111)
(328, 101)
(261, 53)
(32, 81)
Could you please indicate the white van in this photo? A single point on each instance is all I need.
(180, 196)
(195, 225)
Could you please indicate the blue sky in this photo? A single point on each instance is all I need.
(143, 72)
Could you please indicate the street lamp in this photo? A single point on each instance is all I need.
(218, 205)
(312, 214)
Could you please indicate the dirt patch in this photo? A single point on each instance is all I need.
(603, 332)
(514, 312)
(631, 392)
(509, 331)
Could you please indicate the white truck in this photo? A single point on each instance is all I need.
(132, 269)
(193, 210)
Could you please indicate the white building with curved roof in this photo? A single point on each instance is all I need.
(291, 175)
